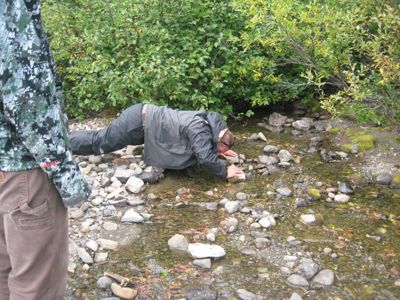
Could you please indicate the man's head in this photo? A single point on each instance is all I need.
(225, 140)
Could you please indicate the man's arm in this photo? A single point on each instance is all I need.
(32, 105)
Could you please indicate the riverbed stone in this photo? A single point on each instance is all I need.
(307, 268)
(276, 119)
(110, 226)
(203, 263)
(384, 178)
(202, 293)
(341, 198)
(123, 174)
(178, 243)
(285, 156)
(246, 295)
(199, 250)
(229, 224)
(92, 245)
(295, 296)
(268, 160)
(242, 196)
(104, 282)
(100, 257)
(345, 188)
(123, 292)
(131, 216)
(232, 206)
(301, 202)
(85, 256)
(135, 185)
(323, 278)
(397, 283)
(298, 281)
(303, 124)
(76, 213)
(270, 149)
(286, 192)
(108, 244)
(262, 137)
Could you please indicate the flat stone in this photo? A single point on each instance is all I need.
(135, 185)
(95, 159)
(284, 191)
(268, 160)
(262, 243)
(123, 292)
(300, 202)
(384, 178)
(92, 245)
(303, 124)
(246, 295)
(341, 198)
(325, 277)
(230, 224)
(100, 257)
(232, 206)
(308, 219)
(202, 293)
(178, 243)
(85, 256)
(76, 213)
(199, 250)
(203, 263)
(270, 149)
(131, 216)
(297, 280)
(108, 244)
(295, 296)
(123, 174)
(110, 226)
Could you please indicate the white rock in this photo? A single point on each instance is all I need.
(178, 243)
(92, 245)
(135, 185)
(85, 256)
(199, 250)
(285, 156)
(131, 216)
(262, 137)
(324, 278)
(342, 198)
(203, 263)
(100, 257)
(108, 244)
(232, 206)
(308, 219)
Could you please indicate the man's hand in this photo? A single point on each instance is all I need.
(228, 153)
(234, 171)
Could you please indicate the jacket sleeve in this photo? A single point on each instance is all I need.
(34, 107)
(201, 143)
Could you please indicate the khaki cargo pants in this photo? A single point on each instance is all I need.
(33, 237)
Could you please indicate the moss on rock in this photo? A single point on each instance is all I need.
(364, 141)
(315, 193)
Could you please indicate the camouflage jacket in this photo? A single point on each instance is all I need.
(33, 130)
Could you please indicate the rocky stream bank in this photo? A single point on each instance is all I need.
(318, 217)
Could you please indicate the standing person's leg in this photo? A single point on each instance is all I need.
(36, 235)
(126, 130)
(5, 266)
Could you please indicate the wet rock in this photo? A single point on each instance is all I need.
(232, 206)
(298, 281)
(135, 185)
(202, 293)
(123, 292)
(345, 188)
(246, 295)
(285, 156)
(268, 160)
(275, 119)
(270, 149)
(341, 198)
(85, 256)
(303, 124)
(104, 282)
(323, 278)
(295, 296)
(284, 192)
(307, 268)
(199, 250)
(178, 243)
(384, 178)
(229, 225)
(131, 216)
(203, 263)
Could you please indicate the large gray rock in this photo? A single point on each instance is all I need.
(284, 191)
(104, 283)
(324, 278)
(199, 250)
(232, 206)
(307, 268)
(345, 188)
(341, 198)
(178, 243)
(298, 280)
(85, 256)
(268, 160)
(246, 295)
(123, 174)
(276, 119)
(303, 124)
(285, 156)
(131, 216)
(271, 149)
(384, 178)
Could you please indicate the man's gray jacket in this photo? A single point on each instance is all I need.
(176, 139)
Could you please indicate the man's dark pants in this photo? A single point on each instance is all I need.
(126, 130)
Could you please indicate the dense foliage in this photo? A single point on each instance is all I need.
(217, 55)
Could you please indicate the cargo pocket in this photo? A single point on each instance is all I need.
(32, 218)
